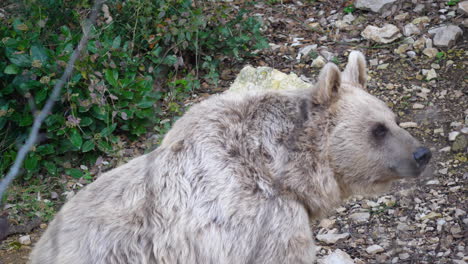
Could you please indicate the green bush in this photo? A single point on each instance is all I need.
(146, 59)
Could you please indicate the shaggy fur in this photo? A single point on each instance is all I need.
(238, 179)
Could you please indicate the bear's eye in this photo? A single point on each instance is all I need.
(379, 130)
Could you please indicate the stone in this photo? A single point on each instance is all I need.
(360, 217)
(266, 78)
(453, 135)
(420, 20)
(411, 29)
(349, 18)
(446, 36)
(430, 52)
(318, 62)
(411, 54)
(463, 8)
(418, 106)
(431, 74)
(25, 240)
(383, 66)
(54, 195)
(408, 124)
(402, 49)
(460, 143)
(304, 51)
(377, 6)
(386, 34)
(420, 43)
(401, 17)
(326, 223)
(337, 257)
(374, 249)
(404, 256)
(419, 8)
(331, 238)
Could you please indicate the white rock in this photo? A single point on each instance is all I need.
(25, 240)
(348, 18)
(305, 51)
(445, 149)
(386, 34)
(418, 106)
(326, 223)
(401, 17)
(404, 256)
(463, 8)
(408, 124)
(443, 171)
(411, 54)
(431, 74)
(423, 20)
(433, 182)
(378, 6)
(331, 238)
(411, 29)
(337, 257)
(318, 62)
(403, 227)
(360, 217)
(446, 36)
(374, 249)
(430, 52)
(453, 135)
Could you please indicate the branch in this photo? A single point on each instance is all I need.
(24, 150)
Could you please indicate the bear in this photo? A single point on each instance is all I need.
(239, 178)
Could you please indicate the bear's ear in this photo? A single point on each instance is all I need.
(328, 84)
(356, 70)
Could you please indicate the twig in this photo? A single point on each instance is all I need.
(24, 150)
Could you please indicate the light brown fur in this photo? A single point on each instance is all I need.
(237, 179)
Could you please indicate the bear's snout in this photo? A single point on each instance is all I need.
(422, 155)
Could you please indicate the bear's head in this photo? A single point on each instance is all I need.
(367, 147)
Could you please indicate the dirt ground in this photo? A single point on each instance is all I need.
(421, 221)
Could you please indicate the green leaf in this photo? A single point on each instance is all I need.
(11, 69)
(25, 120)
(31, 162)
(86, 121)
(116, 42)
(50, 167)
(20, 60)
(41, 95)
(145, 103)
(108, 130)
(88, 146)
(112, 75)
(39, 53)
(45, 149)
(104, 146)
(75, 173)
(76, 139)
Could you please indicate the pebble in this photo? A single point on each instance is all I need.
(383, 66)
(404, 256)
(374, 249)
(326, 223)
(331, 238)
(25, 240)
(411, 29)
(431, 74)
(401, 17)
(318, 62)
(408, 124)
(360, 217)
(419, 20)
(463, 8)
(453, 135)
(418, 106)
(430, 52)
(386, 34)
(337, 257)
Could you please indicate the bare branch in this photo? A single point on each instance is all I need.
(40, 117)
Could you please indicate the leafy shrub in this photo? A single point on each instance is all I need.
(136, 66)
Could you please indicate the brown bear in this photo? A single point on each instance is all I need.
(239, 178)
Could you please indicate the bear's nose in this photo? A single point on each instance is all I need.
(422, 155)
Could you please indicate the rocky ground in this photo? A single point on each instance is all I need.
(417, 64)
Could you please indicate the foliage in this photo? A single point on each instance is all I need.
(140, 60)
(349, 9)
(452, 2)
